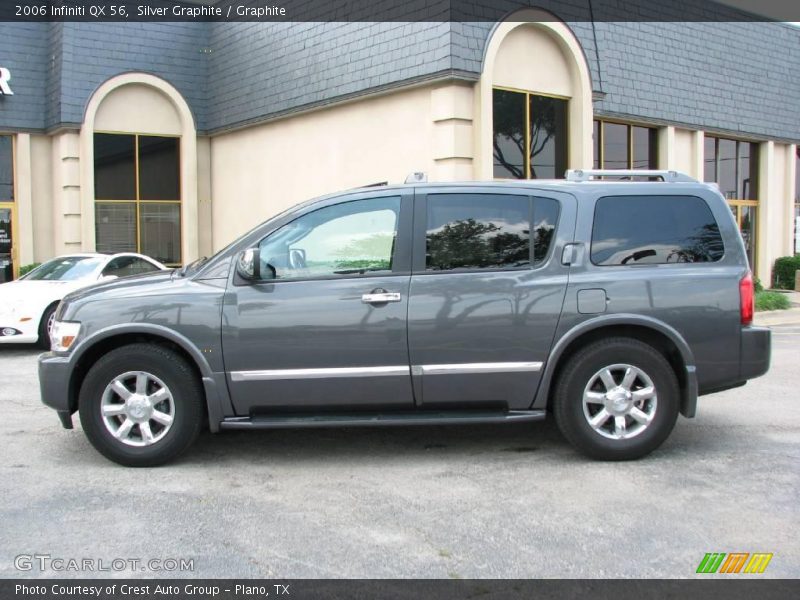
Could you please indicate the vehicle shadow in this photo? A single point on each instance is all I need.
(375, 444)
(19, 350)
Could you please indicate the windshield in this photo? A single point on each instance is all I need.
(67, 268)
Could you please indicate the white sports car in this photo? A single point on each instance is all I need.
(27, 305)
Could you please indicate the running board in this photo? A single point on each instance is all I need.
(380, 419)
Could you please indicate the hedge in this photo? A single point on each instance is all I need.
(772, 301)
(784, 271)
(26, 268)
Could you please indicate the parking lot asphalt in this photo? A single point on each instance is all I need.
(505, 501)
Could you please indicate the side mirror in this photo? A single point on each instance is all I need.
(107, 278)
(248, 265)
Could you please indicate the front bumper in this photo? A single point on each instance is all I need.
(27, 331)
(755, 352)
(54, 376)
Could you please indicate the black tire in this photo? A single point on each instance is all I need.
(584, 367)
(44, 330)
(187, 405)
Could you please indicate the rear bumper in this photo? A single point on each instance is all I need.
(756, 349)
(54, 374)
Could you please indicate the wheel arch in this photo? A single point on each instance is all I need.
(663, 337)
(47, 307)
(104, 341)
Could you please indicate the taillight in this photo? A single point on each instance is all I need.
(746, 298)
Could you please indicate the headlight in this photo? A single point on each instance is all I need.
(63, 335)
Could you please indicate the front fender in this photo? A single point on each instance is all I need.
(217, 398)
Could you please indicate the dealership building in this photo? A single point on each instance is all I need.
(173, 138)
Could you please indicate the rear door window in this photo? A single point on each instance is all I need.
(634, 230)
(487, 231)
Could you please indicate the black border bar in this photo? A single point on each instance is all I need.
(716, 587)
(394, 10)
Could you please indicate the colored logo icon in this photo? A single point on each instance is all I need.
(734, 562)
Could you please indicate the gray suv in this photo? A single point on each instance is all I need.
(611, 299)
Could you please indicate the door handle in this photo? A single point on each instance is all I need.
(380, 297)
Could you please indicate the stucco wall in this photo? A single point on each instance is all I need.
(259, 171)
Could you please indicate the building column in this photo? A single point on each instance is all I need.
(23, 189)
(452, 114)
(67, 195)
(205, 243)
(791, 194)
(666, 147)
(768, 219)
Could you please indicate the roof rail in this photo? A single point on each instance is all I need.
(666, 176)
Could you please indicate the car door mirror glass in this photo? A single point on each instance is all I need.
(248, 264)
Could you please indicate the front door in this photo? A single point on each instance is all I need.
(486, 294)
(7, 266)
(326, 329)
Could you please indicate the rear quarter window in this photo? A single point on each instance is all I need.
(635, 230)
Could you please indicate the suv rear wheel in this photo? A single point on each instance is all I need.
(617, 399)
(141, 405)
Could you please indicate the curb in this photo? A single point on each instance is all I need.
(769, 318)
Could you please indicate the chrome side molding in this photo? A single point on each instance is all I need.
(330, 373)
(468, 368)
(318, 373)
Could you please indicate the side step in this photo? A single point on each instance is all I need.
(380, 419)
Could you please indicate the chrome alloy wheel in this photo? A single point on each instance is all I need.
(50, 320)
(137, 408)
(619, 402)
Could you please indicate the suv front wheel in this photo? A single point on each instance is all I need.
(141, 405)
(616, 399)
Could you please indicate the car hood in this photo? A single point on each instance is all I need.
(126, 286)
(37, 289)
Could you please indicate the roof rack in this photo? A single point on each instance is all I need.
(666, 176)
(417, 177)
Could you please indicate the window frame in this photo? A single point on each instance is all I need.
(527, 128)
(599, 143)
(419, 266)
(11, 205)
(683, 265)
(754, 158)
(13, 138)
(401, 258)
(796, 204)
(137, 201)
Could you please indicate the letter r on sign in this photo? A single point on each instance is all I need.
(5, 77)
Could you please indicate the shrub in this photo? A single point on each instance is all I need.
(784, 270)
(27, 268)
(771, 301)
(758, 286)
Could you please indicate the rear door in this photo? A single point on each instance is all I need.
(486, 292)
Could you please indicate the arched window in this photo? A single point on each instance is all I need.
(138, 195)
(138, 149)
(536, 90)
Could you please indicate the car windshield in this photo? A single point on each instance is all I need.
(66, 268)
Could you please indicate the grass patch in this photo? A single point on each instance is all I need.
(771, 301)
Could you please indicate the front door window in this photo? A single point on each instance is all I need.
(338, 241)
